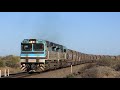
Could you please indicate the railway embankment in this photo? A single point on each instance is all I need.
(105, 68)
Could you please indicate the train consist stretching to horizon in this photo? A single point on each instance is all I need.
(41, 55)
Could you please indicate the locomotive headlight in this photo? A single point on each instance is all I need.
(33, 41)
(30, 42)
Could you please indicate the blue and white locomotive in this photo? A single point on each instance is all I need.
(37, 55)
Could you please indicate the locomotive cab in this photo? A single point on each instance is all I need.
(33, 53)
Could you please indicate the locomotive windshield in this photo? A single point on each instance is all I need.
(26, 47)
(38, 47)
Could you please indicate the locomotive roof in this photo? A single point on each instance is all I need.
(48, 42)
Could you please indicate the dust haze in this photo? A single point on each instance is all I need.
(49, 29)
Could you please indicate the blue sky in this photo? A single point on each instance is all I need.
(87, 32)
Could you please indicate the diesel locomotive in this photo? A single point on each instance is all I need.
(41, 55)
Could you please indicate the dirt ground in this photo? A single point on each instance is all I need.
(60, 73)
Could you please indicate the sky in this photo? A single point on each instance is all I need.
(87, 32)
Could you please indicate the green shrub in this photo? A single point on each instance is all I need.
(2, 63)
(10, 61)
(13, 63)
(70, 76)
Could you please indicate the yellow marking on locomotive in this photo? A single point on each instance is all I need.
(31, 60)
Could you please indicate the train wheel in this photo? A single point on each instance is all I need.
(33, 67)
(27, 68)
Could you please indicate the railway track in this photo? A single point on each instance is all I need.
(20, 75)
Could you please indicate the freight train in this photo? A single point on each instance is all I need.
(41, 55)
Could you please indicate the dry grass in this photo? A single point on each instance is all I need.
(115, 64)
(106, 62)
(86, 66)
(104, 68)
(100, 72)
